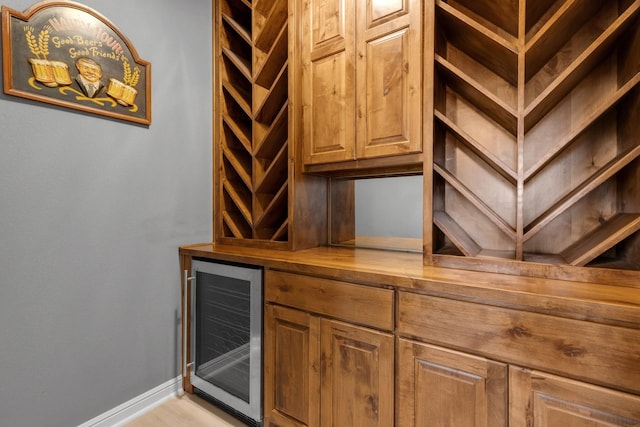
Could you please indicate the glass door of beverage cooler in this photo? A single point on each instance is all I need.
(227, 332)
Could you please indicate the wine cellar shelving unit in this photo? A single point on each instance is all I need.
(259, 197)
(536, 132)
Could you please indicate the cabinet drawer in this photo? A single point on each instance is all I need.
(360, 304)
(604, 354)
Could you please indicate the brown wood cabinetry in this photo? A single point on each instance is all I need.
(582, 351)
(362, 84)
(528, 110)
(442, 387)
(357, 337)
(545, 400)
(325, 372)
(291, 368)
(525, 110)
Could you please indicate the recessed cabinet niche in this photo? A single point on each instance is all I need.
(254, 182)
(362, 83)
(535, 145)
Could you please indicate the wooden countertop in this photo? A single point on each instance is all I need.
(603, 303)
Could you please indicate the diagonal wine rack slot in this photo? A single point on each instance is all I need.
(239, 12)
(242, 164)
(274, 61)
(273, 22)
(479, 204)
(272, 175)
(456, 234)
(238, 28)
(556, 32)
(242, 99)
(235, 226)
(485, 154)
(488, 48)
(602, 175)
(489, 104)
(504, 14)
(577, 131)
(242, 64)
(273, 138)
(579, 69)
(237, 195)
(276, 97)
(534, 11)
(271, 220)
(607, 235)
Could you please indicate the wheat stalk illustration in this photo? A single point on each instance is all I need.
(38, 46)
(130, 78)
(43, 42)
(31, 42)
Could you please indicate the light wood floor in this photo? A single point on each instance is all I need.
(186, 411)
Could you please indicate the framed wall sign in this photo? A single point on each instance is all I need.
(66, 54)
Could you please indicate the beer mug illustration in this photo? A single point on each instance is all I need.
(122, 93)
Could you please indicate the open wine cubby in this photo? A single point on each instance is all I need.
(537, 132)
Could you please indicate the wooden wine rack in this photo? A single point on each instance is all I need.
(256, 183)
(536, 133)
(253, 148)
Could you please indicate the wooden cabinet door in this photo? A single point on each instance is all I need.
(357, 386)
(328, 81)
(542, 400)
(440, 387)
(389, 77)
(291, 368)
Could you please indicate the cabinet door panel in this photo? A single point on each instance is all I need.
(389, 79)
(328, 22)
(380, 11)
(328, 81)
(291, 368)
(543, 400)
(330, 124)
(439, 387)
(357, 376)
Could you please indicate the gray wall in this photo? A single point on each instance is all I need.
(92, 211)
(389, 207)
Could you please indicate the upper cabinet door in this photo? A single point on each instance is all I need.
(362, 79)
(328, 90)
(389, 77)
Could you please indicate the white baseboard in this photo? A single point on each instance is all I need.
(137, 406)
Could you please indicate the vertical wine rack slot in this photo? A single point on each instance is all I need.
(252, 122)
(536, 155)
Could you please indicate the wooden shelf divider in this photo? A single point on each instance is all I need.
(600, 240)
(456, 234)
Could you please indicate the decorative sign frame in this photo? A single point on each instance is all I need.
(64, 53)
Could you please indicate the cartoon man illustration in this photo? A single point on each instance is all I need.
(88, 79)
